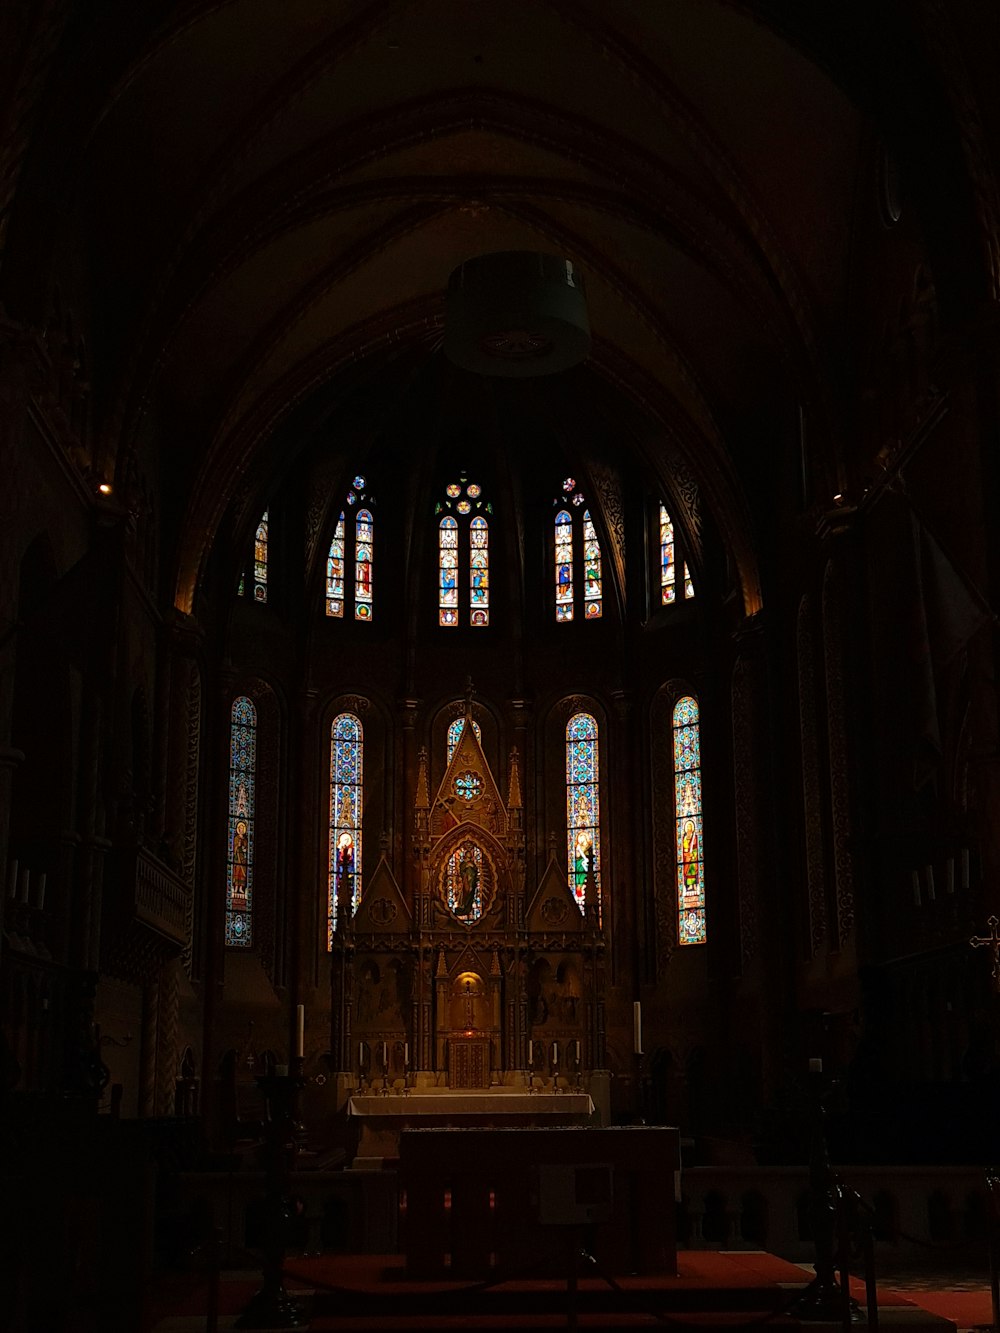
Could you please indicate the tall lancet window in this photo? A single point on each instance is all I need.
(583, 805)
(688, 816)
(258, 570)
(670, 585)
(346, 804)
(463, 555)
(455, 732)
(335, 572)
(576, 545)
(242, 782)
(363, 565)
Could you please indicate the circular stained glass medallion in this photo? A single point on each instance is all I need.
(473, 491)
(569, 484)
(359, 483)
(453, 490)
(463, 506)
(468, 786)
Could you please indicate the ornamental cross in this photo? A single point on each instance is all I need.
(991, 941)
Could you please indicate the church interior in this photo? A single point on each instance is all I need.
(497, 557)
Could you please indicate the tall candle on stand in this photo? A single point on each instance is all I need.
(555, 1052)
(637, 1027)
(300, 1030)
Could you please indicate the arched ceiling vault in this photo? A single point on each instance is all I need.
(244, 204)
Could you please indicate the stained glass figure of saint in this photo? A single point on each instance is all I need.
(335, 572)
(668, 590)
(479, 572)
(260, 560)
(688, 823)
(242, 779)
(346, 795)
(564, 566)
(582, 804)
(464, 881)
(448, 571)
(364, 548)
(592, 569)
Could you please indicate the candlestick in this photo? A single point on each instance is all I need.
(555, 1052)
(637, 1027)
(300, 1030)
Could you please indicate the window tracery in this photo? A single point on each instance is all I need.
(363, 564)
(576, 538)
(463, 539)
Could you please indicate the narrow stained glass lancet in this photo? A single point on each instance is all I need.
(346, 804)
(363, 565)
(688, 812)
(668, 572)
(455, 731)
(583, 832)
(335, 572)
(564, 565)
(592, 600)
(260, 559)
(688, 584)
(448, 571)
(479, 572)
(239, 861)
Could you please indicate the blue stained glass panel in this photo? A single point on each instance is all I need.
(583, 817)
(239, 860)
(564, 566)
(455, 731)
(363, 565)
(691, 928)
(335, 572)
(346, 801)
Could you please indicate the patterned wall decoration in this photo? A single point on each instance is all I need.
(811, 800)
(836, 719)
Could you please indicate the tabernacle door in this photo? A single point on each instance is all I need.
(469, 1062)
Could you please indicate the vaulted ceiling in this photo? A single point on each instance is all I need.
(247, 204)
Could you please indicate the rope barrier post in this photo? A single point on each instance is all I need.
(993, 1194)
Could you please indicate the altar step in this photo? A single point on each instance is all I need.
(712, 1290)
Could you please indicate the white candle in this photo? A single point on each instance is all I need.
(916, 889)
(300, 1030)
(949, 875)
(555, 1052)
(385, 1056)
(965, 867)
(576, 1046)
(637, 1027)
(406, 1052)
(815, 1066)
(12, 880)
(929, 881)
(361, 1053)
(40, 892)
(531, 1052)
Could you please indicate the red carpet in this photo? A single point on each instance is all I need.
(362, 1293)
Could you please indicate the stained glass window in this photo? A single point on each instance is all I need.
(346, 794)
(583, 815)
(448, 567)
(479, 571)
(363, 566)
(335, 572)
(591, 569)
(564, 565)
(455, 731)
(688, 585)
(464, 881)
(260, 560)
(239, 861)
(668, 573)
(688, 812)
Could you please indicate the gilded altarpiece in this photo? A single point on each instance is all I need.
(458, 973)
